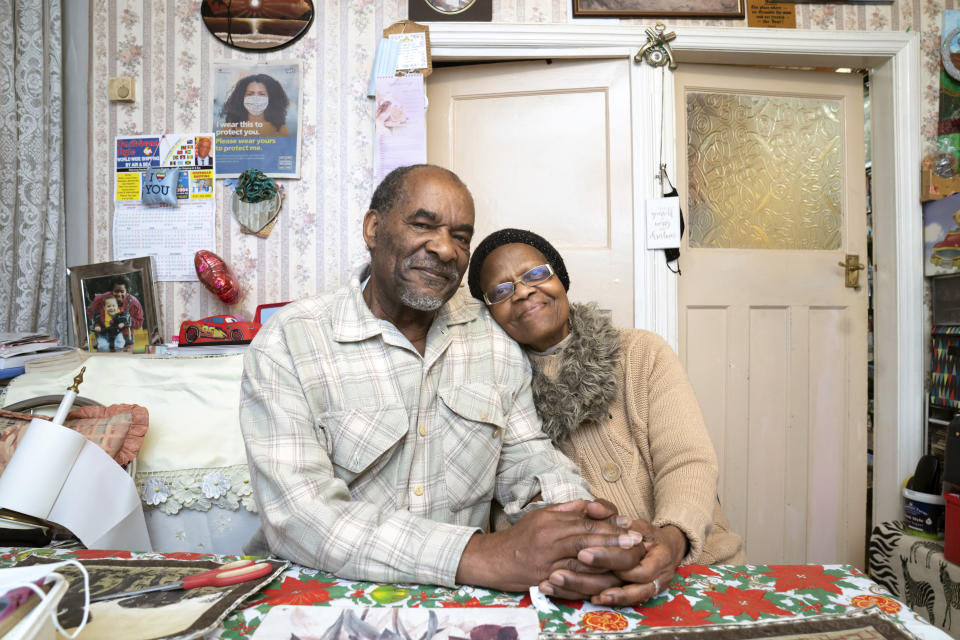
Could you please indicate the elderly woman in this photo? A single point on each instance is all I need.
(618, 403)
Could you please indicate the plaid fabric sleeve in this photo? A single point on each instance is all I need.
(306, 513)
(529, 463)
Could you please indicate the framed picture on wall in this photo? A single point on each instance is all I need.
(260, 25)
(450, 10)
(941, 236)
(114, 305)
(674, 8)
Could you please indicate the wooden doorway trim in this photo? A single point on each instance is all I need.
(893, 59)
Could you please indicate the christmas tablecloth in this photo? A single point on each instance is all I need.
(698, 595)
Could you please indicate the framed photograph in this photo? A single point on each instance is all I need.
(114, 306)
(261, 25)
(256, 115)
(672, 8)
(941, 236)
(450, 10)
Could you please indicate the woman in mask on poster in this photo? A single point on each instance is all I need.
(257, 106)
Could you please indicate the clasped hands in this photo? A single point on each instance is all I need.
(576, 550)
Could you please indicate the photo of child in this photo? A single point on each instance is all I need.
(113, 311)
(110, 325)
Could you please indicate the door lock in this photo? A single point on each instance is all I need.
(852, 268)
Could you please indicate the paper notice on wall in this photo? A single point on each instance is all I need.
(401, 127)
(172, 234)
(413, 50)
(80, 488)
(663, 223)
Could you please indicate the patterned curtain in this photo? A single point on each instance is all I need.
(33, 285)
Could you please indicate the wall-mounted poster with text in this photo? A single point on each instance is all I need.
(256, 115)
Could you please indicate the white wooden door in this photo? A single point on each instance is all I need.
(546, 147)
(771, 169)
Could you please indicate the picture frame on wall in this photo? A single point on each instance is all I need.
(941, 236)
(450, 10)
(671, 8)
(115, 306)
(263, 25)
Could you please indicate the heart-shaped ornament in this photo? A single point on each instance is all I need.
(217, 276)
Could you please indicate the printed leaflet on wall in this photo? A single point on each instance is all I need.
(172, 234)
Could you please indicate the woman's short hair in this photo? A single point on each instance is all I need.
(276, 113)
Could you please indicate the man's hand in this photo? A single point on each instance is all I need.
(666, 547)
(97, 328)
(572, 579)
(547, 540)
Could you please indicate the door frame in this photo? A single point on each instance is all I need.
(893, 59)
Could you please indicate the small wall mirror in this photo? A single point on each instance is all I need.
(257, 25)
(256, 217)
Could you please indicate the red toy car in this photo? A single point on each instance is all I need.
(217, 329)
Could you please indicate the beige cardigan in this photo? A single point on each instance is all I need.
(652, 456)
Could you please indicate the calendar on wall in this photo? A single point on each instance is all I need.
(172, 233)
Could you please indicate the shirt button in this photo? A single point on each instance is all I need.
(418, 490)
(611, 472)
(497, 432)
(423, 430)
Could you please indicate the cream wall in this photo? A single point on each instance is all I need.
(317, 242)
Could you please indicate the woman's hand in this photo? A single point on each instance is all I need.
(546, 539)
(597, 569)
(666, 548)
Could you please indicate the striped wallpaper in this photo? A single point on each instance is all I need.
(317, 241)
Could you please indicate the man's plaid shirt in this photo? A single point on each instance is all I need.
(373, 462)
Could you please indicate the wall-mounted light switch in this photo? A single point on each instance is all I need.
(121, 89)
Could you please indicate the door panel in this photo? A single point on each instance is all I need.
(546, 147)
(775, 344)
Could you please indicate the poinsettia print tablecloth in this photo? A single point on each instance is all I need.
(697, 595)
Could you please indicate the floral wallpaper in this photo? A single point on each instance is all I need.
(317, 242)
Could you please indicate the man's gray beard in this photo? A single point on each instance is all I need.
(420, 302)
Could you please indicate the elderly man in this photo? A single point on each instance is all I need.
(381, 421)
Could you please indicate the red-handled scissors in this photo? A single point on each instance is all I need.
(230, 573)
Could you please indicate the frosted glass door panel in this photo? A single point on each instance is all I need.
(765, 171)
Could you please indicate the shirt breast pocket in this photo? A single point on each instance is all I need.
(472, 419)
(361, 442)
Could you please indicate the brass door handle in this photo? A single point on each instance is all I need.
(852, 268)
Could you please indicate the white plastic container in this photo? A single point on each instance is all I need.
(38, 624)
(923, 514)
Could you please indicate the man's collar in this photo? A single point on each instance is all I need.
(355, 321)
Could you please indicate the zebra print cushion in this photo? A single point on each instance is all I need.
(915, 571)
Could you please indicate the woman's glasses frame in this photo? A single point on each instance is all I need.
(530, 278)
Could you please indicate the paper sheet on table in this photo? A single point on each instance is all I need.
(401, 125)
(56, 474)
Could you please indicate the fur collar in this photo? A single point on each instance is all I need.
(586, 379)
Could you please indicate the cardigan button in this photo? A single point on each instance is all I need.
(611, 472)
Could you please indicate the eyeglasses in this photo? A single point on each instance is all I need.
(505, 290)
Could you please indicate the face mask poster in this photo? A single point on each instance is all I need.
(256, 115)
